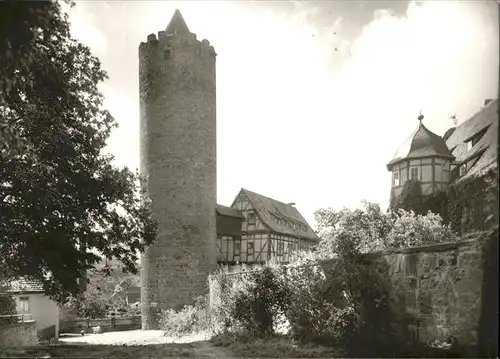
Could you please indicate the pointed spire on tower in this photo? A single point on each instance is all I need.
(420, 116)
(177, 24)
(454, 119)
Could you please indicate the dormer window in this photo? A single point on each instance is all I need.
(251, 217)
(414, 174)
(395, 175)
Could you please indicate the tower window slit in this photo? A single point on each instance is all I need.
(166, 54)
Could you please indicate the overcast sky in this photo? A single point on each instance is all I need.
(296, 120)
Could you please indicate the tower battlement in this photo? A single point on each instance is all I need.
(178, 158)
(168, 41)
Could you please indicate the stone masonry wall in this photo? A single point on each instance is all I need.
(441, 287)
(178, 157)
(18, 334)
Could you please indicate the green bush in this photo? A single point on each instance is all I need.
(342, 301)
(317, 309)
(335, 295)
(370, 230)
(191, 319)
(91, 305)
(223, 288)
(7, 307)
(259, 303)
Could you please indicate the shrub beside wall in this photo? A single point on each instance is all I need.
(385, 299)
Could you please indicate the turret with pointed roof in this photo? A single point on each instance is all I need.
(177, 151)
(424, 158)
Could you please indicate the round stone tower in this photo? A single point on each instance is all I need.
(178, 158)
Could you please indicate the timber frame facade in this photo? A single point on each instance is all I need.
(269, 230)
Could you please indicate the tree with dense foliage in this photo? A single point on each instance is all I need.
(7, 307)
(90, 305)
(67, 206)
(371, 230)
(22, 25)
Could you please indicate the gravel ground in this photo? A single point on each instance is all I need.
(131, 337)
(126, 344)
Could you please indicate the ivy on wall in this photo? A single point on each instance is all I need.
(472, 202)
(410, 199)
(466, 205)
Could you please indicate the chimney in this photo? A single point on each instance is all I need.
(487, 101)
(291, 204)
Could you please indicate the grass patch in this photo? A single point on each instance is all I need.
(272, 346)
(102, 351)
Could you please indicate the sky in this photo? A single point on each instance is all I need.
(313, 98)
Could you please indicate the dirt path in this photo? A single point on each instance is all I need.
(131, 344)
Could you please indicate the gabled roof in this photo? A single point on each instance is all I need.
(269, 210)
(485, 123)
(23, 285)
(177, 23)
(422, 143)
(228, 211)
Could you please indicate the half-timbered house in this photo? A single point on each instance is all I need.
(269, 229)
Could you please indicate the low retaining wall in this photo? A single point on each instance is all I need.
(18, 334)
(106, 324)
(440, 286)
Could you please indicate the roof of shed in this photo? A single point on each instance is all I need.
(23, 285)
(228, 211)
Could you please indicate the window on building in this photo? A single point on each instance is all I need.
(237, 248)
(251, 217)
(469, 145)
(396, 177)
(250, 248)
(414, 174)
(24, 305)
(462, 170)
(281, 247)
